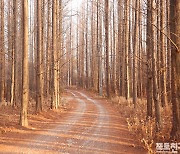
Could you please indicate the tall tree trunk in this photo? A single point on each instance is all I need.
(77, 54)
(13, 79)
(119, 54)
(99, 31)
(168, 52)
(107, 45)
(175, 64)
(127, 82)
(49, 52)
(9, 47)
(60, 48)
(54, 101)
(113, 52)
(154, 67)
(39, 85)
(149, 62)
(135, 53)
(163, 52)
(2, 56)
(87, 55)
(25, 80)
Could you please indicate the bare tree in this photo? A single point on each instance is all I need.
(25, 81)
(107, 45)
(175, 63)
(2, 56)
(39, 75)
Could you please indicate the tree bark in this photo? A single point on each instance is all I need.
(25, 79)
(2, 56)
(149, 94)
(39, 85)
(127, 84)
(99, 29)
(107, 45)
(54, 100)
(135, 53)
(175, 64)
(154, 67)
(163, 52)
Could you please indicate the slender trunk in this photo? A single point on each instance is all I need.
(25, 80)
(2, 55)
(87, 63)
(107, 45)
(149, 62)
(163, 52)
(39, 85)
(135, 53)
(13, 57)
(119, 55)
(154, 68)
(127, 84)
(99, 29)
(54, 102)
(175, 64)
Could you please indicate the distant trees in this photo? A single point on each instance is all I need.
(134, 52)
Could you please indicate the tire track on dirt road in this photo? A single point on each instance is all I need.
(107, 134)
(62, 129)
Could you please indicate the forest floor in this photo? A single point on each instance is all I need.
(85, 124)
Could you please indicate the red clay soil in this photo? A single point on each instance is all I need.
(86, 124)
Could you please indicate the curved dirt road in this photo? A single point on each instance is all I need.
(91, 127)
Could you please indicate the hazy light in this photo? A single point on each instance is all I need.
(76, 4)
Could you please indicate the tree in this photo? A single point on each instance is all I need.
(119, 53)
(154, 66)
(135, 53)
(163, 52)
(13, 77)
(107, 45)
(175, 63)
(127, 84)
(39, 75)
(54, 94)
(87, 62)
(2, 55)
(25, 78)
(149, 62)
(99, 30)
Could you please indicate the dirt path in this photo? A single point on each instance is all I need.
(92, 126)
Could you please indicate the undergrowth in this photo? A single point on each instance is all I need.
(144, 128)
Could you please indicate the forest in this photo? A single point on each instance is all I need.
(125, 52)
